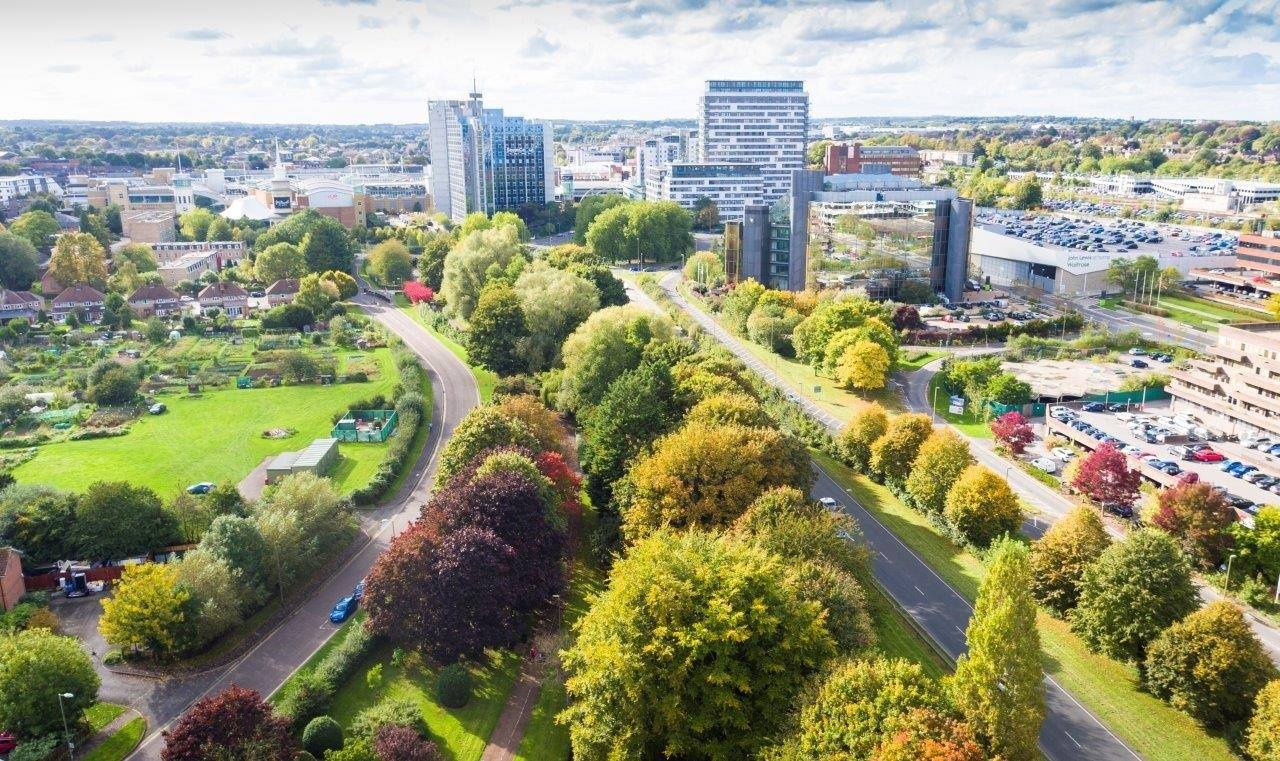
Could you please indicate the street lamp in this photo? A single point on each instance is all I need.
(66, 731)
(1229, 559)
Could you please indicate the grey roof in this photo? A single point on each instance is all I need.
(314, 453)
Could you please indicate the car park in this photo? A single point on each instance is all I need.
(1046, 464)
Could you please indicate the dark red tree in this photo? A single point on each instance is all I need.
(906, 317)
(1104, 476)
(235, 723)
(1013, 430)
(1199, 518)
(567, 483)
(395, 742)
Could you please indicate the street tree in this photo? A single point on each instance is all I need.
(389, 262)
(893, 453)
(636, 409)
(609, 343)
(982, 507)
(484, 427)
(1013, 430)
(738, 304)
(1263, 738)
(149, 611)
(554, 303)
(863, 366)
(115, 520)
(214, 593)
(590, 208)
(36, 666)
(864, 428)
(938, 465)
(235, 723)
(1060, 558)
(1199, 518)
(1105, 477)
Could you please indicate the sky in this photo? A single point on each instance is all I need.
(377, 61)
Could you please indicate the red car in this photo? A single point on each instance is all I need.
(1207, 455)
(7, 742)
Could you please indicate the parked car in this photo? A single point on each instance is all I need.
(1093, 407)
(1207, 455)
(1045, 464)
(829, 503)
(1228, 465)
(204, 487)
(1118, 508)
(1243, 470)
(1254, 477)
(1117, 407)
(1063, 453)
(1137, 351)
(1239, 502)
(157, 409)
(1125, 416)
(344, 609)
(1139, 364)
(1182, 453)
(358, 592)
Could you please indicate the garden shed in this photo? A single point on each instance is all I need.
(318, 457)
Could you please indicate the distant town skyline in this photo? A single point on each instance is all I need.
(365, 61)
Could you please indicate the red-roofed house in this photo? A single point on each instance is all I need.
(282, 291)
(79, 299)
(225, 295)
(156, 300)
(19, 304)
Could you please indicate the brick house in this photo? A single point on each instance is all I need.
(154, 300)
(12, 585)
(227, 296)
(282, 291)
(19, 304)
(79, 299)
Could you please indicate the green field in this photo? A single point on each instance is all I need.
(215, 436)
(1109, 689)
(120, 744)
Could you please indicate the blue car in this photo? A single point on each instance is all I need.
(1244, 470)
(344, 609)
(1228, 465)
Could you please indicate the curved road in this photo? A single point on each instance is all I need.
(1069, 731)
(284, 650)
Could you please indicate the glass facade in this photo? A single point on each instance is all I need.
(887, 249)
(514, 159)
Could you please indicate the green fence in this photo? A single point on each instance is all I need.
(1039, 409)
(366, 425)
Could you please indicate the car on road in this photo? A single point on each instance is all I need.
(358, 592)
(344, 609)
(1207, 455)
(204, 487)
(1093, 407)
(1046, 464)
(829, 503)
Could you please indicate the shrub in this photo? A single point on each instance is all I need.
(453, 685)
(373, 677)
(402, 712)
(38, 749)
(322, 734)
(397, 743)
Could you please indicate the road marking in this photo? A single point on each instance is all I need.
(1074, 740)
(921, 591)
(957, 628)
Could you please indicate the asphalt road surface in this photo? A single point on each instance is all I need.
(1069, 731)
(284, 650)
(1152, 327)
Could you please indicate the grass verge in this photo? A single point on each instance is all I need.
(485, 379)
(100, 715)
(1108, 689)
(290, 685)
(121, 744)
(966, 422)
(910, 360)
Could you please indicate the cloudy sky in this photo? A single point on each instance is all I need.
(354, 61)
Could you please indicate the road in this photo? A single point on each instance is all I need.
(1156, 328)
(284, 650)
(1069, 731)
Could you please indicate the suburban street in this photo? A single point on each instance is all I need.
(1069, 731)
(269, 663)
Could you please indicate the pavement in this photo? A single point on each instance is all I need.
(1069, 731)
(280, 653)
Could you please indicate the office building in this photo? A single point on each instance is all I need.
(154, 226)
(1235, 388)
(484, 160)
(900, 160)
(730, 186)
(26, 184)
(760, 122)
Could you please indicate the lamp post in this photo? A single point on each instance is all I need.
(66, 731)
(1229, 559)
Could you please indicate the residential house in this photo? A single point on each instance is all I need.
(154, 300)
(50, 285)
(282, 291)
(84, 300)
(12, 585)
(19, 304)
(227, 296)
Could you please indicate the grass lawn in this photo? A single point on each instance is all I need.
(100, 715)
(1109, 689)
(966, 422)
(460, 733)
(1202, 312)
(485, 379)
(215, 436)
(120, 744)
(910, 360)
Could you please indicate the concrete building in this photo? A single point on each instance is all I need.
(317, 458)
(946, 158)
(154, 300)
(760, 122)
(85, 301)
(188, 260)
(153, 226)
(389, 197)
(730, 186)
(1207, 194)
(900, 160)
(1236, 387)
(26, 184)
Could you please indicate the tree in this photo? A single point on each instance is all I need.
(1005, 388)
(554, 303)
(1199, 518)
(466, 268)
(496, 330)
(140, 255)
(431, 261)
(279, 262)
(706, 476)
(928, 734)
(858, 702)
(236, 541)
(291, 316)
(219, 229)
(864, 428)
(1105, 477)
(214, 593)
(1027, 193)
(149, 611)
(19, 262)
(659, 231)
(1209, 665)
(541, 422)
(484, 427)
(828, 318)
(78, 259)
(327, 246)
(998, 684)
(863, 366)
(771, 326)
(938, 465)
(35, 519)
(706, 216)
(739, 303)
(417, 293)
(117, 386)
(322, 734)
(35, 667)
(1258, 549)
(38, 227)
(784, 522)
(588, 209)
(194, 223)
(235, 723)
(389, 261)
(396, 742)
(1264, 728)
(841, 597)
(115, 520)
(636, 409)
(316, 294)
(1013, 430)
(729, 409)
(982, 507)
(609, 343)
(706, 269)
(1060, 558)
(612, 292)
(871, 330)
(303, 520)
(743, 645)
(1135, 590)
(893, 453)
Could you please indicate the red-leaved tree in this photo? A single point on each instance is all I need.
(1199, 518)
(417, 293)
(1104, 475)
(1013, 430)
(566, 482)
(235, 723)
(396, 742)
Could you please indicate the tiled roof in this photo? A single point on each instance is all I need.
(78, 293)
(153, 292)
(283, 287)
(223, 290)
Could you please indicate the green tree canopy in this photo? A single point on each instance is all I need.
(1060, 558)
(938, 465)
(498, 330)
(36, 666)
(19, 262)
(554, 303)
(38, 227)
(279, 261)
(467, 267)
(115, 520)
(389, 261)
(610, 342)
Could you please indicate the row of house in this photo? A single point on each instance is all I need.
(151, 300)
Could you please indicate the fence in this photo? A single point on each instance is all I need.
(366, 426)
(50, 580)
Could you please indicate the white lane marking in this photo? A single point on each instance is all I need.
(921, 591)
(1074, 740)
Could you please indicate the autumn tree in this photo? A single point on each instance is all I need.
(1210, 665)
(729, 409)
(484, 427)
(707, 476)
(541, 422)
(396, 742)
(787, 523)
(1263, 738)
(928, 735)
(942, 458)
(1060, 558)
(744, 643)
(982, 507)
(235, 723)
(35, 667)
(496, 329)
(998, 684)
(829, 317)
(1199, 518)
(1135, 590)
(864, 428)
(893, 453)
(316, 294)
(863, 366)
(78, 258)
(738, 304)
(1013, 430)
(149, 611)
(1105, 477)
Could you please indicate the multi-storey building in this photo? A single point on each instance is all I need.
(730, 186)
(1235, 389)
(26, 184)
(760, 122)
(1260, 251)
(900, 160)
(483, 160)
